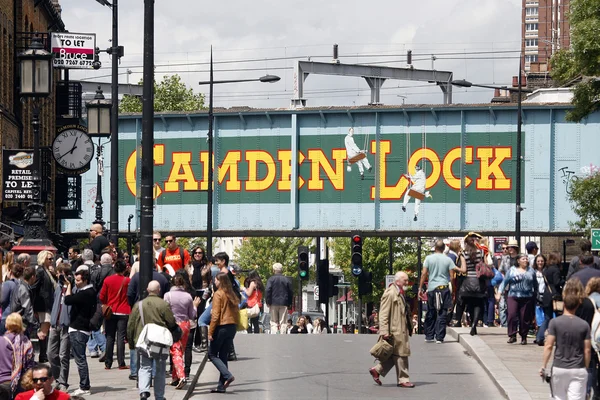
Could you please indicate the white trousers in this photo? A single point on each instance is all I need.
(279, 317)
(362, 164)
(417, 202)
(569, 384)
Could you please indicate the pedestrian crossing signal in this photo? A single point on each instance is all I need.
(303, 262)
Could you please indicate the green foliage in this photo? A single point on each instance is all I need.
(262, 252)
(585, 196)
(169, 95)
(582, 59)
(376, 260)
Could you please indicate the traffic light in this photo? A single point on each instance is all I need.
(365, 283)
(356, 258)
(323, 279)
(303, 262)
(333, 281)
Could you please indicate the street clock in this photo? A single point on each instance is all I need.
(73, 150)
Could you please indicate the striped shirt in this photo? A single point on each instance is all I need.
(472, 264)
(520, 284)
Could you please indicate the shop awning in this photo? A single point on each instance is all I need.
(346, 297)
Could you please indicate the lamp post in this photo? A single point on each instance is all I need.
(209, 202)
(99, 125)
(36, 83)
(117, 52)
(519, 90)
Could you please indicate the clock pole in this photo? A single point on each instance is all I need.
(99, 201)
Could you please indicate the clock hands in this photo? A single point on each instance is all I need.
(69, 151)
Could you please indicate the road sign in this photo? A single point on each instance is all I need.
(595, 239)
(389, 279)
(316, 292)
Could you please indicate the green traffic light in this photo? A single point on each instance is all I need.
(302, 274)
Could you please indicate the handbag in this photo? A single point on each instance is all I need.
(483, 270)
(558, 305)
(107, 311)
(242, 324)
(154, 340)
(253, 311)
(383, 349)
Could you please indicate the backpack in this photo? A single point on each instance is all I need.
(163, 254)
(595, 331)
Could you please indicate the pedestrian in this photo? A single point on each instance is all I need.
(83, 307)
(8, 261)
(553, 288)
(454, 251)
(301, 326)
(44, 298)
(278, 296)
(288, 326)
(113, 293)
(586, 248)
(42, 386)
(320, 327)
(395, 322)
(21, 301)
(156, 243)
(436, 269)
(97, 344)
(184, 309)
(8, 287)
(98, 241)
(224, 318)
(156, 311)
(59, 342)
(22, 350)
(572, 355)
(201, 280)
(586, 269)
(254, 290)
(174, 255)
(539, 264)
(473, 291)
(521, 284)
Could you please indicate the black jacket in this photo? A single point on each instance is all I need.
(132, 290)
(83, 307)
(554, 283)
(44, 291)
(100, 274)
(98, 244)
(278, 291)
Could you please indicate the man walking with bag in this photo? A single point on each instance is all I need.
(155, 311)
(395, 324)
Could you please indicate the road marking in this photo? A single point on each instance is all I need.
(348, 341)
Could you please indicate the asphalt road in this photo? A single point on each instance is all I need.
(336, 367)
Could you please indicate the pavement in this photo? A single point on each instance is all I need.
(336, 367)
(513, 368)
(115, 383)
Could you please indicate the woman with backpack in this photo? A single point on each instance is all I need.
(225, 315)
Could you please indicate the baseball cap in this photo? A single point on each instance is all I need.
(531, 246)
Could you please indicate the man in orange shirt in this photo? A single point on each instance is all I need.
(42, 386)
(176, 256)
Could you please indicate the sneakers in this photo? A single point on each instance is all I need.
(439, 342)
(81, 392)
(102, 356)
(181, 384)
(429, 340)
(94, 354)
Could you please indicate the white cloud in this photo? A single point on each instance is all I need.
(185, 29)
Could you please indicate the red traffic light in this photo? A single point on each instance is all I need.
(356, 239)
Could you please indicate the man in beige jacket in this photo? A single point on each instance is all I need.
(395, 321)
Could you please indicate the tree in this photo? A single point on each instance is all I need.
(261, 253)
(585, 196)
(581, 59)
(169, 95)
(375, 260)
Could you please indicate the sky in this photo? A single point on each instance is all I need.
(477, 40)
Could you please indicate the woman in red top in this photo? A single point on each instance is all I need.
(114, 294)
(254, 291)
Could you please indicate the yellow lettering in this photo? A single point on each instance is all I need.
(253, 184)
(434, 160)
(285, 180)
(386, 192)
(452, 156)
(491, 158)
(130, 173)
(318, 161)
(181, 171)
(230, 165)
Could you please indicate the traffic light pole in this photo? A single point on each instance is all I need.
(420, 307)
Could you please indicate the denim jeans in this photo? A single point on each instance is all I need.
(435, 320)
(548, 315)
(218, 350)
(145, 375)
(490, 317)
(78, 341)
(59, 354)
(204, 319)
(133, 367)
(503, 312)
(96, 342)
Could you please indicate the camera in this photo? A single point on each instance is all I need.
(546, 377)
(64, 278)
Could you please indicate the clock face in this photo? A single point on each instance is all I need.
(73, 149)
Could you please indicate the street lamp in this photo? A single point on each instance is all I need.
(36, 83)
(209, 202)
(519, 89)
(117, 52)
(99, 125)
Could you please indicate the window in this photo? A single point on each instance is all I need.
(531, 42)
(531, 58)
(531, 11)
(531, 27)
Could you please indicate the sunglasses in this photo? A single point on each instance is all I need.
(168, 241)
(156, 240)
(50, 258)
(41, 379)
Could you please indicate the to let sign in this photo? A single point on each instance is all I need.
(73, 50)
(17, 174)
(595, 239)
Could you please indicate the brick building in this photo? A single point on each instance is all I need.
(545, 29)
(18, 20)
